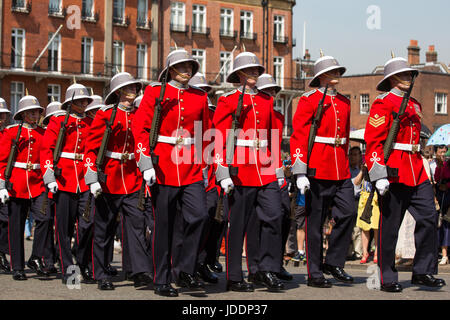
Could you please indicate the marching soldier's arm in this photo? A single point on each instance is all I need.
(299, 140)
(221, 122)
(141, 126)
(377, 129)
(92, 145)
(48, 146)
(5, 147)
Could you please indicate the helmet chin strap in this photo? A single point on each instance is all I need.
(247, 75)
(128, 95)
(404, 82)
(185, 76)
(330, 76)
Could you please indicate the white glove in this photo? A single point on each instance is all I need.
(227, 185)
(382, 186)
(280, 182)
(150, 176)
(4, 195)
(53, 187)
(96, 189)
(302, 183)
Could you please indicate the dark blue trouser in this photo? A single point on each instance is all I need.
(190, 201)
(107, 207)
(419, 201)
(323, 195)
(244, 208)
(4, 246)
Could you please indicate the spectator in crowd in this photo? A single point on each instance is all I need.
(442, 178)
(355, 161)
(299, 222)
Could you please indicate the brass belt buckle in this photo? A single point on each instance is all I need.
(180, 141)
(415, 148)
(78, 156)
(337, 142)
(29, 166)
(125, 156)
(257, 144)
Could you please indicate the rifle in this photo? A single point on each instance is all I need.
(12, 158)
(314, 127)
(388, 146)
(154, 132)
(100, 159)
(60, 141)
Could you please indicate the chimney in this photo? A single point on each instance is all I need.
(307, 55)
(413, 53)
(431, 55)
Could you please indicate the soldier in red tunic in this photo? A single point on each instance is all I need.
(178, 172)
(4, 248)
(410, 188)
(256, 190)
(27, 192)
(69, 191)
(326, 173)
(119, 192)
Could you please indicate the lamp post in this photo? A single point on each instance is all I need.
(264, 4)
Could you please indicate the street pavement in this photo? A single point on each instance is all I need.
(36, 288)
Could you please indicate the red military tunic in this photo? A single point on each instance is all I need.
(73, 150)
(329, 160)
(123, 176)
(256, 166)
(280, 125)
(211, 175)
(411, 171)
(27, 183)
(178, 165)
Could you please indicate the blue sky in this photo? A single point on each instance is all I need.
(340, 29)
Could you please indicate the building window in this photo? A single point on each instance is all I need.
(119, 11)
(440, 103)
(198, 18)
(87, 9)
(54, 7)
(278, 28)
(18, 4)
(53, 53)
(226, 22)
(278, 70)
(225, 65)
(17, 89)
(246, 24)
(200, 56)
(142, 61)
(177, 17)
(278, 105)
(142, 10)
(53, 90)
(118, 57)
(18, 48)
(364, 104)
(87, 53)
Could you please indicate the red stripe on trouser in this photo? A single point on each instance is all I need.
(59, 244)
(306, 246)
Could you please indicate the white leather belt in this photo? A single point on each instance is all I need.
(407, 147)
(176, 140)
(120, 156)
(73, 156)
(27, 166)
(335, 141)
(252, 143)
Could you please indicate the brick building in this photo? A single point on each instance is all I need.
(97, 38)
(431, 88)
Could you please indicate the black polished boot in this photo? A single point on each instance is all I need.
(270, 280)
(37, 266)
(4, 264)
(142, 279)
(319, 283)
(338, 273)
(19, 275)
(189, 281)
(427, 280)
(205, 274)
(105, 284)
(165, 290)
(391, 287)
(239, 286)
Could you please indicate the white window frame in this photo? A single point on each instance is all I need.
(278, 105)
(118, 47)
(178, 14)
(278, 70)
(53, 90)
(200, 56)
(144, 12)
(22, 7)
(226, 20)
(246, 22)
(364, 103)
(15, 33)
(58, 4)
(225, 57)
(16, 95)
(198, 17)
(92, 2)
(278, 27)
(122, 4)
(86, 41)
(440, 98)
(141, 49)
(56, 43)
